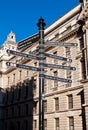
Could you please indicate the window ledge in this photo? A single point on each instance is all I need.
(84, 80)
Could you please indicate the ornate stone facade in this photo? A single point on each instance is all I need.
(65, 104)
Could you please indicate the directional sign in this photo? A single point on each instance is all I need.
(59, 66)
(60, 44)
(57, 79)
(29, 56)
(58, 57)
(22, 66)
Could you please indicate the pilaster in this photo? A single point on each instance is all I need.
(86, 40)
(85, 105)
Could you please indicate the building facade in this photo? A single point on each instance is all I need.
(65, 104)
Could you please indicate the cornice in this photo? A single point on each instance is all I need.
(68, 34)
(63, 19)
(63, 91)
(22, 45)
(84, 13)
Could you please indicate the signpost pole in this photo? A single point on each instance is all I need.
(41, 25)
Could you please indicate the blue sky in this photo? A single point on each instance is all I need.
(21, 16)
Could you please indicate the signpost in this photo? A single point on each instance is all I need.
(42, 65)
(41, 25)
(57, 57)
(28, 56)
(57, 79)
(59, 67)
(27, 67)
(60, 44)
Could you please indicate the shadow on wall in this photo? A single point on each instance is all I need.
(18, 106)
(81, 93)
(1, 107)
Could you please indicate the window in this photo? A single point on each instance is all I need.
(26, 109)
(13, 78)
(5, 125)
(12, 92)
(27, 72)
(35, 125)
(8, 80)
(6, 113)
(55, 73)
(45, 105)
(34, 87)
(45, 124)
(45, 85)
(7, 95)
(71, 123)
(70, 101)
(19, 90)
(18, 125)
(20, 72)
(55, 82)
(57, 104)
(55, 60)
(68, 52)
(12, 37)
(35, 64)
(26, 125)
(35, 107)
(26, 87)
(57, 124)
(19, 110)
(83, 64)
(12, 111)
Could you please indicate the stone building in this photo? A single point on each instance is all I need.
(1, 107)
(65, 104)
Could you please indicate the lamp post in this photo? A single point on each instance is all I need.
(41, 25)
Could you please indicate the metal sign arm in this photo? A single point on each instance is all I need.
(57, 79)
(57, 57)
(28, 56)
(60, 44)
(27, 67)
(59, 67)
